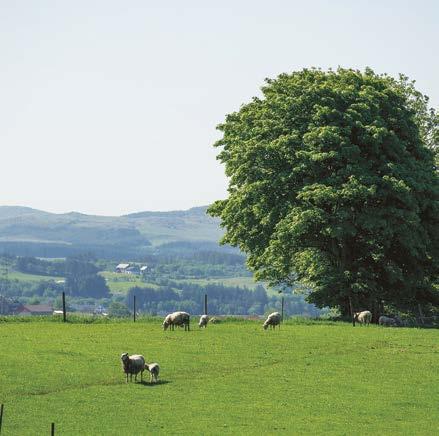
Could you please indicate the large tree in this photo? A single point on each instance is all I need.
(332, 183)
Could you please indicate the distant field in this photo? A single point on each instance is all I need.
(15, 275)
(121, 283)
(232, 378)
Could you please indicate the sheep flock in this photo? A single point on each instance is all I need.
(135, 363)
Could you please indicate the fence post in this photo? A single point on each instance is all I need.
(64, 317)
(1, 416)
(52, 429)
(352, 311)
(205, 304)
(134, 307)
(282, 312)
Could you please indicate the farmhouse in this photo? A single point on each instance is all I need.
(122, 267)
(128, 268)
(35, 309)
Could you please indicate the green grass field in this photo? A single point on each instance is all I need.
(232, 378)
(16, 275)
(122, 283)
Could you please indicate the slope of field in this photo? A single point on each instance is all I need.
(232, 378)
(25, 277)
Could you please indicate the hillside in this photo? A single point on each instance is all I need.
(26, 231)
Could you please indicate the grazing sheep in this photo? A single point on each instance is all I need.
(386, 321)
(154, 370)
(272, 320)
(133, 365)
(204, 319)
(177, 319)
(214, 320)
(364, 317)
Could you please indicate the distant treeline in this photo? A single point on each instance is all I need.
(222, 300)
(114, 252)
(33, 265)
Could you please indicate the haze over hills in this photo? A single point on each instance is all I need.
(27, 231)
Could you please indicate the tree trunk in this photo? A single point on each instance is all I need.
(351, 309)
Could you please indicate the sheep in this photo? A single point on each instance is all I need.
(364, 317)
(214, 320)
(133, 365)
(154, 370)
(272, 320)
(204, 319)
(177, 319)
(386, 321)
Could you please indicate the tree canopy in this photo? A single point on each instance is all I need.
(332, 182)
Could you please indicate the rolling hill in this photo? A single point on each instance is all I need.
(27, 231)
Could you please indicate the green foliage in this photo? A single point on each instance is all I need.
(33, 265)
(232, 378)
(332, 183)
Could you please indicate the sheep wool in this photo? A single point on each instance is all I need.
(177, 319)
(154, 370)
(133, 365)
(272, 320)
(364, 317)
(204, 319)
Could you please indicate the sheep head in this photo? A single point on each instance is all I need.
(125, 359)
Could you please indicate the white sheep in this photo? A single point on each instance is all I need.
(272, 320)
(386, 321)
(154, 371)
(204, 319)
(364, 317)
(133, 365)
(177, 319)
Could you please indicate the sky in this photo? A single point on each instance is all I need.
(110, 107)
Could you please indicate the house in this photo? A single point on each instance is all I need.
(35, 309)
(122, 267)
(143, 269)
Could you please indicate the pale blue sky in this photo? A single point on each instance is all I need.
(110, 107)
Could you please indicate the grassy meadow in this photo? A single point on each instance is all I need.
(232, 378)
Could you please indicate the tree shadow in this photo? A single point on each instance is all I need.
(151, 385)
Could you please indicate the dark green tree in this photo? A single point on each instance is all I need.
(332, 183)
(82, 280)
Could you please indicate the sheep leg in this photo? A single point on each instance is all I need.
(127, 377)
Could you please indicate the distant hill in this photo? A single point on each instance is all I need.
(27, 231)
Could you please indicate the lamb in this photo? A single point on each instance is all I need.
(386, 321)
(204, 319)
(272, 320)
(154, 370)
(133, 365)
(177, 319)
(364, 317)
